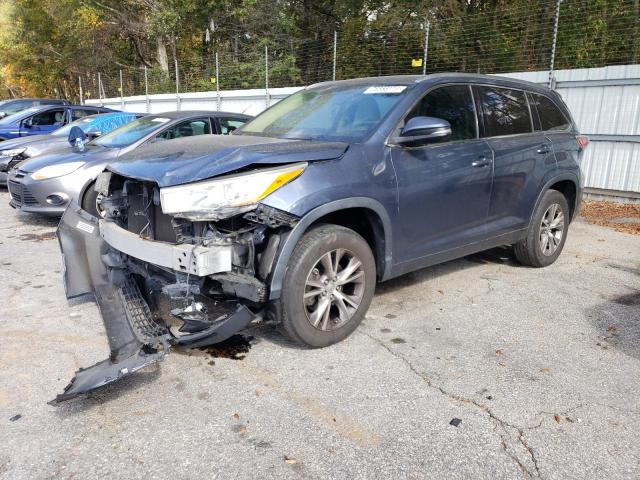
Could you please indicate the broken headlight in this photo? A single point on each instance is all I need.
(226, 196)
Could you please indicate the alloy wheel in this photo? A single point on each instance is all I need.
(334, 289)
(551, 229)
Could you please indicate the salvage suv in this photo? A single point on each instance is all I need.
(295, 217)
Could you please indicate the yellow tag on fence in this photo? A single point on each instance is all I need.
(416, 62)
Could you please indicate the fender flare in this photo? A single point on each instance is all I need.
(555, 179)
(291, 240)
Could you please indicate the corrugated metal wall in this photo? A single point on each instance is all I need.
(605, 103)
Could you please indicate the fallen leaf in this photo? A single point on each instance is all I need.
(612, 328)
(258, 393)
(545, 370)
(499, 352)
(289, 460)
(556, 418)
(568, 419)
(236, 416)
(440, 292)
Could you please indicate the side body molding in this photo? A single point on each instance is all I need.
(286, 249)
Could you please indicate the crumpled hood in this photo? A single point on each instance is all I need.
(65, 154)
(191, 159)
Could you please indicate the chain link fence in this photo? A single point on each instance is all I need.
(545, 35)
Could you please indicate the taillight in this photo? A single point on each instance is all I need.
(582, 141)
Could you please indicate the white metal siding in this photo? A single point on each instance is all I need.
(597, 109)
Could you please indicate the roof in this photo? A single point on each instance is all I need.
(434, 77)
(190, 113)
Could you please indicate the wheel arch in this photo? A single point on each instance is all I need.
(568, 185)
(374, 226)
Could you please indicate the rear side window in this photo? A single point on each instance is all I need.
(79, 113)
(189, 128)
(451, 103)
(505, 111)
(551, 117)
(228, 125)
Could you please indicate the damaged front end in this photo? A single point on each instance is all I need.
(163, 280)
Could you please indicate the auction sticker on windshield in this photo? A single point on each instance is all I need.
(160, 120)
(385, 89)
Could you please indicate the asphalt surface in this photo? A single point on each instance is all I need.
(540, 367)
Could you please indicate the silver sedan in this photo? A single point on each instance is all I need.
(48, 183)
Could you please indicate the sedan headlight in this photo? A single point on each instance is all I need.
(53, 171)
(13, 152)
(225, 196)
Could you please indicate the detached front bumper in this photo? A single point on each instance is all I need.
(95, 256)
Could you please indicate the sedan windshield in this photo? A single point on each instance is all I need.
(131, 132)
(17, 116)
(329, 113)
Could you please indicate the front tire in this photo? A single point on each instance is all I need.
(90, 201)
(547, 232)
(328, 287)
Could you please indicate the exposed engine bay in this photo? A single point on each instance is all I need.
(162, 280)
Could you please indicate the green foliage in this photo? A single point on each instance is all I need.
(47, 45)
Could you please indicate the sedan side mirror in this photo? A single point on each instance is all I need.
(3, 114)
(93, 134)
(423, 130)
(28, 123)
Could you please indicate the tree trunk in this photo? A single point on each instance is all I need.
(161, 55)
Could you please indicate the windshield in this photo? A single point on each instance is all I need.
(131, 132)
(343, 114)
(17, 116)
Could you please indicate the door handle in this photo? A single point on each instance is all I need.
(543, 150)
(481, 162)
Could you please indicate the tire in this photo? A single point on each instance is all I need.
(533, 250)
(307, 276)
(89, 200)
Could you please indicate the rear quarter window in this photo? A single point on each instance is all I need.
(505, 111)
(551, 117)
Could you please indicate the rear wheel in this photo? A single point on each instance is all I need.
(328, 287)
(547, 232)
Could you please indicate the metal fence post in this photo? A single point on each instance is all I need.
(100, 87)
(266, 76)
(335, 52)
(552, 79)
(80, 87)
(121, 92)
(218, 101)
(178, 100)
(146, 90)
(426, 48)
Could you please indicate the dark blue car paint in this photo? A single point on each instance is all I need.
(16, 128)
(426, 204)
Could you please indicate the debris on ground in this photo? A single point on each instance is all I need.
(622, 217)
(290, 461)
(15, 417)
(455, 421)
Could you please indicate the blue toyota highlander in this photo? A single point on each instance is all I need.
(296, 216)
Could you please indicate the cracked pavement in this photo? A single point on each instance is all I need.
(540, 366)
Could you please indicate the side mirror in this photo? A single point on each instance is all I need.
(3, 114)
(77, 139)
(93, 134)
(28, 123)
(423, 130)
